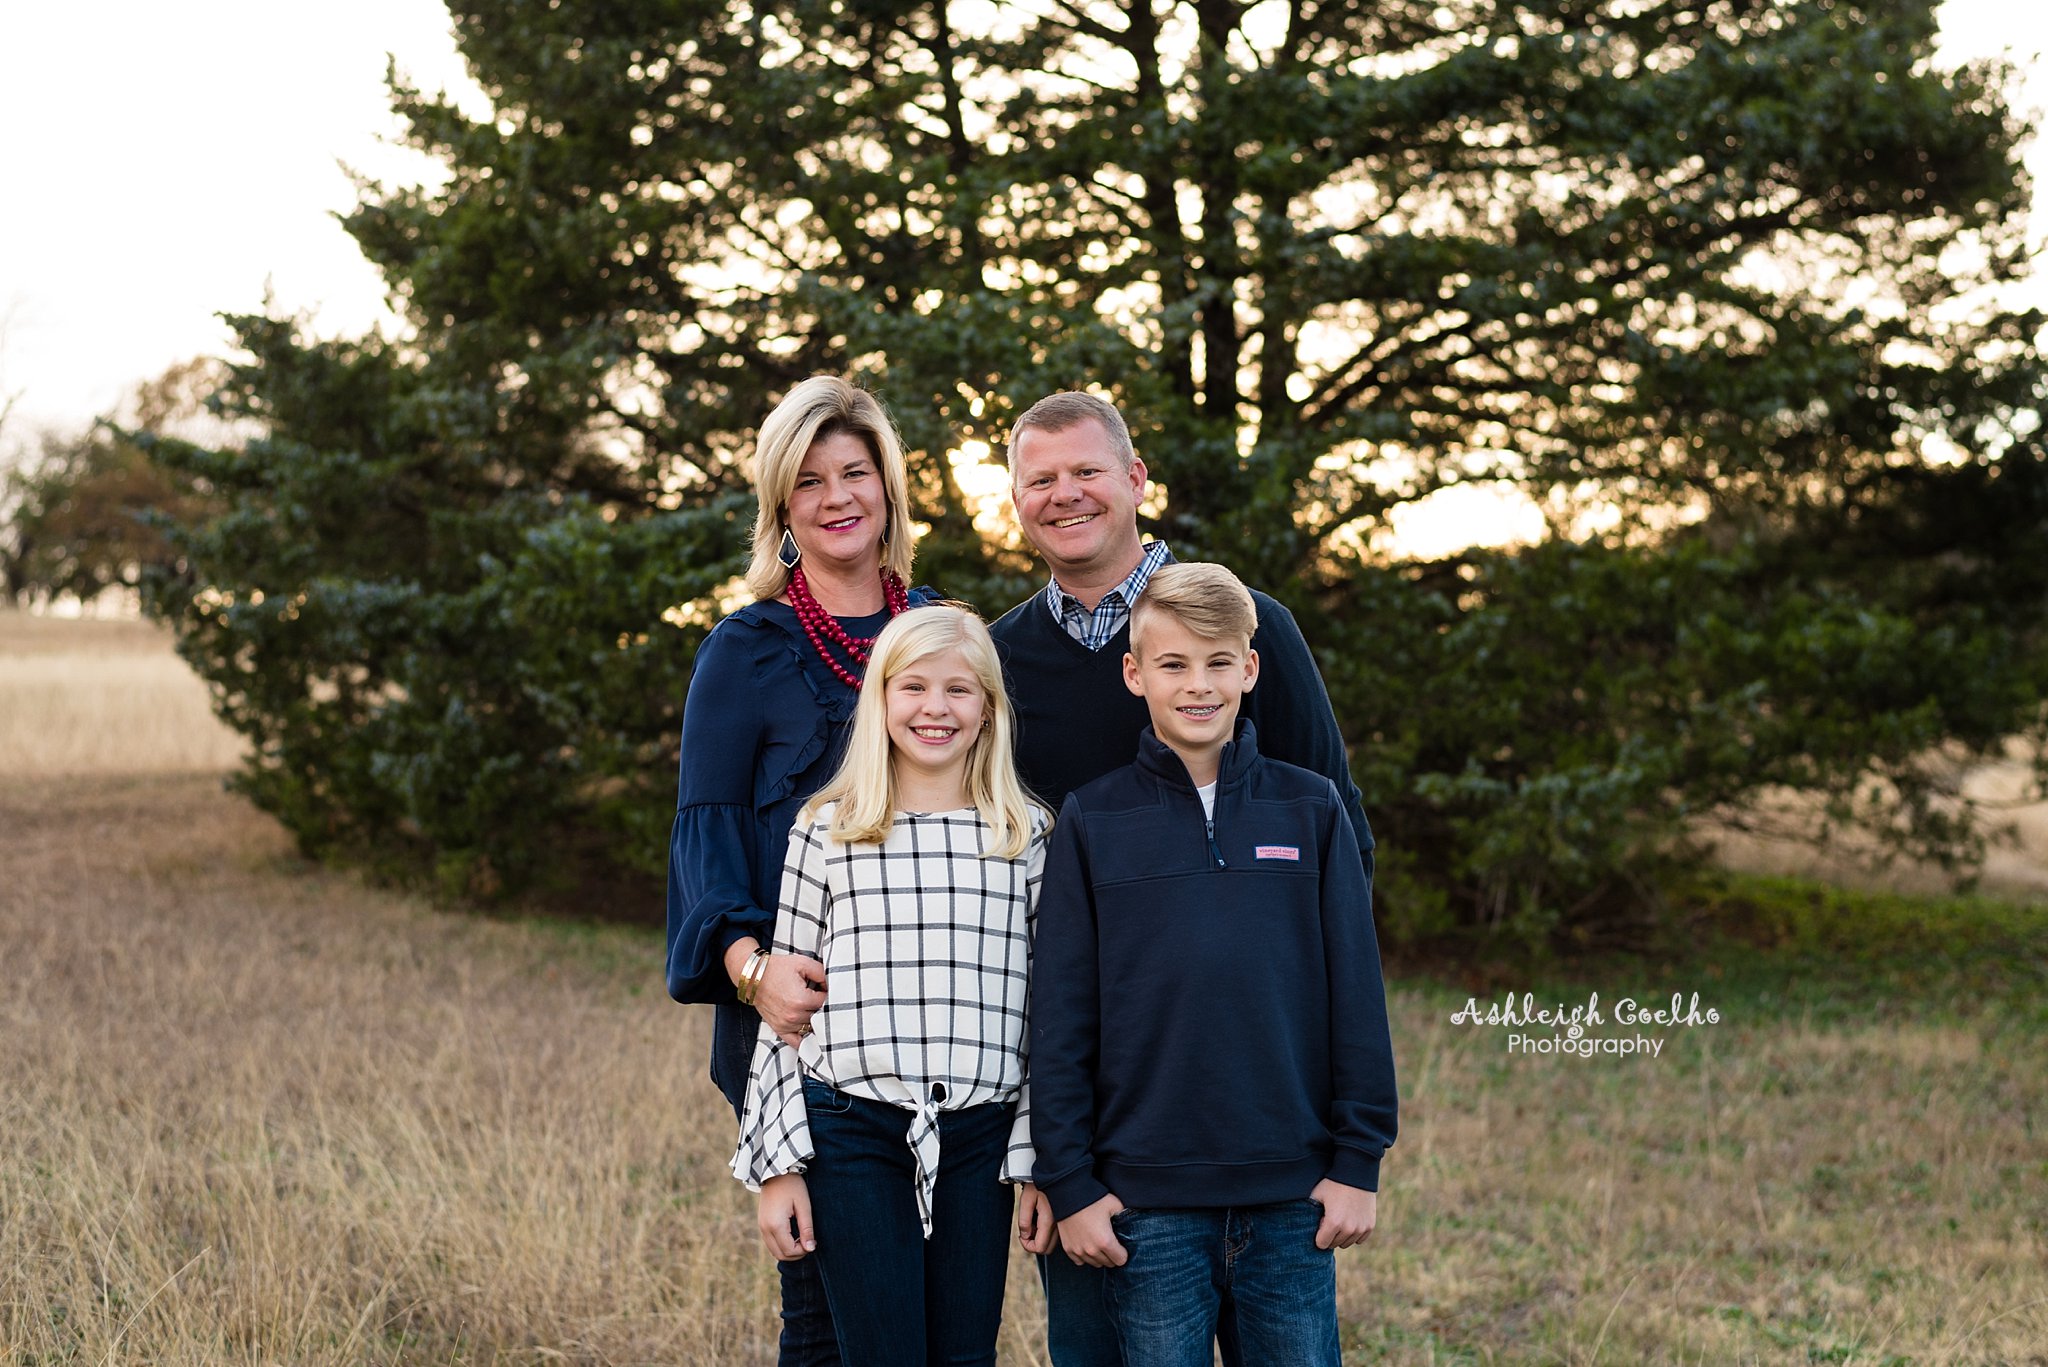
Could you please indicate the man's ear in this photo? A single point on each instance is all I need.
(1132, 679)
(1251, 668)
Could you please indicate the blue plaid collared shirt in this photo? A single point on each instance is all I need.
(1094, 629)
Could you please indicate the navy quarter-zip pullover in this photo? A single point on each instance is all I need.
(1208, 1020)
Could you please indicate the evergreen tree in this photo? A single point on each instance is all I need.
(1716, 286)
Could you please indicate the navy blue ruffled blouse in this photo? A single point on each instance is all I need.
(765, 723)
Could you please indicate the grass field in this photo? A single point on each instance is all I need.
(101, 697)
(253, 1111)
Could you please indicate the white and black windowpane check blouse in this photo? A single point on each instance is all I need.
(927, 953)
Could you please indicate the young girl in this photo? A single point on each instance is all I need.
(881, 1142)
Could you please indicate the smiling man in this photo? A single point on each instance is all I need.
(1076, 483)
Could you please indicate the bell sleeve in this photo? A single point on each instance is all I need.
(711, 849)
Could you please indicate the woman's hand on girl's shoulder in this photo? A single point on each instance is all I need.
(785, 1217)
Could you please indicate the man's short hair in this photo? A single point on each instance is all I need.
(1208, 600)
(1058, 412)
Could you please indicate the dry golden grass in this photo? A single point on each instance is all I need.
(1763, 1192)
(101, 697)
(253, 1112)
(2014, 817)
(257, 1113)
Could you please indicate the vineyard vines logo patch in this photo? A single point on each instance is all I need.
(1289, 852)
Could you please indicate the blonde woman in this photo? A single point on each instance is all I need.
(770, 705)
(882, 1139)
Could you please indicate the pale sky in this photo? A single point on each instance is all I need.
(163, 163)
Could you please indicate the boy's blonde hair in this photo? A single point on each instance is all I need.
(1208, 600)
(820, 407)
(864, 789)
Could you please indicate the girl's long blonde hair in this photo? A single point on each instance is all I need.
(864, 788)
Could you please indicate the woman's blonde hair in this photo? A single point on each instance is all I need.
(864, 789)
(820, 407)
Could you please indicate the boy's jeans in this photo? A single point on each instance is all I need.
(1258, 1265)
(899, 1299)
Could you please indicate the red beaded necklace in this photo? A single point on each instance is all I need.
(820, 625)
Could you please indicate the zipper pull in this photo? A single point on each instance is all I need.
(1214, 853)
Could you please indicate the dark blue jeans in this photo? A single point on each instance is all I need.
(899, 1299)
(1078, 1329)
(1256, 1267)
(808, 1339)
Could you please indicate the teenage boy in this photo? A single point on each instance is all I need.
(1212, 1079)
(1076, 482)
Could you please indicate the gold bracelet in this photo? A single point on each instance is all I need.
(751, 972)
